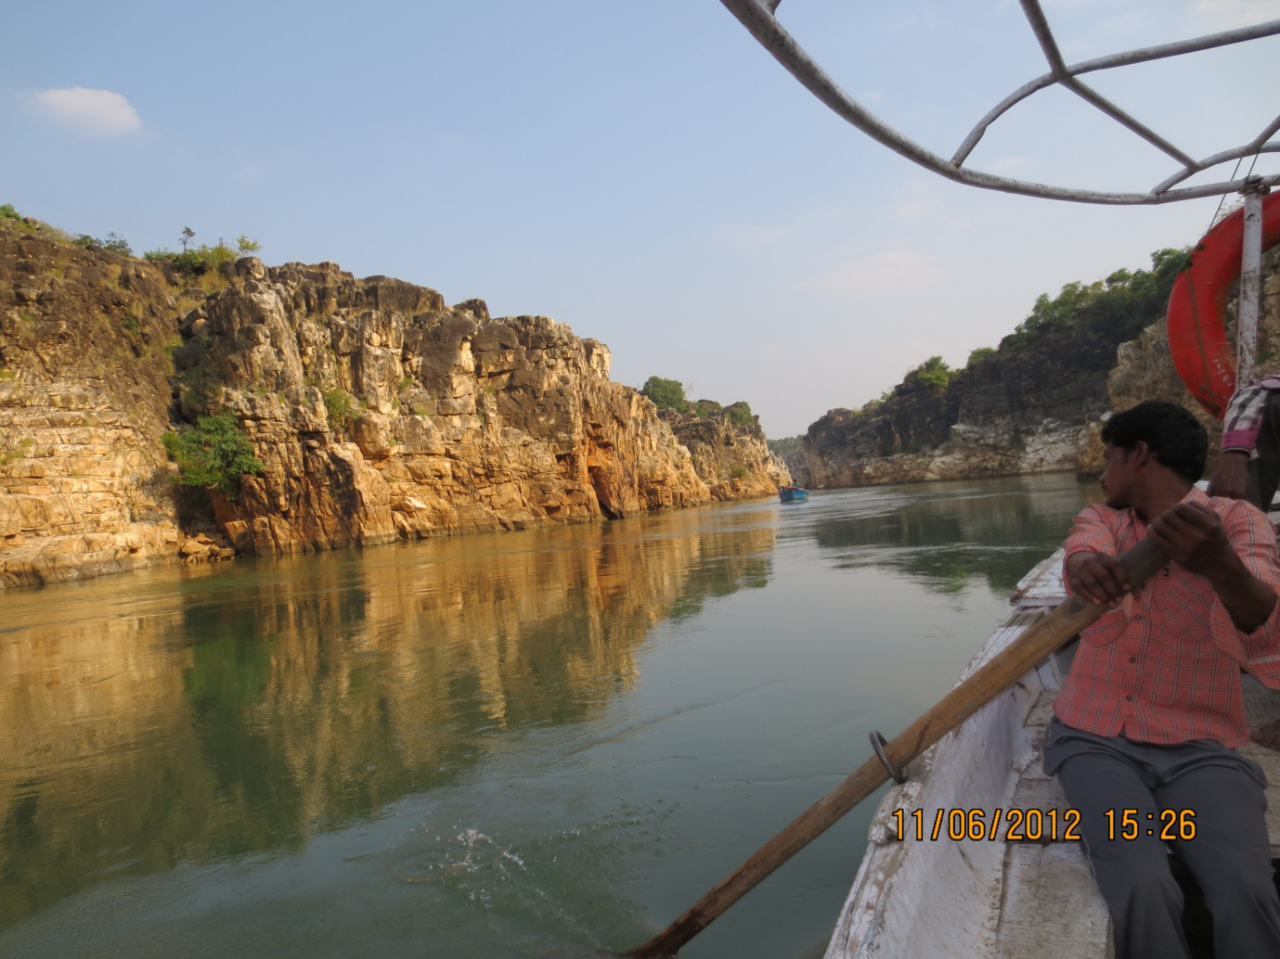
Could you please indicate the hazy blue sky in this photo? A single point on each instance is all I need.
(641, 170)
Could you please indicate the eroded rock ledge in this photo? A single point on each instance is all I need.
(378, 411)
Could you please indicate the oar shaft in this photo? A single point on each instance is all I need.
(1039, 640)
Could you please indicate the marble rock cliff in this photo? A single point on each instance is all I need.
(731, 456)
(381, 413)
(84, 397)
(377, 411)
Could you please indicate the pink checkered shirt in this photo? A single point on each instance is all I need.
(1164, 667)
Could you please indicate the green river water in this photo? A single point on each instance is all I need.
(534, 744)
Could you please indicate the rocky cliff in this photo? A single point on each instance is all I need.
(1035, 404)
(729, 450)
(377, 412)
(84, 397)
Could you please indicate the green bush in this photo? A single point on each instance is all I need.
(195, 262)
(114, 243)
(739, 414)
(738, 472)
(980, 354)
(666, 394)
(1118, 308)
(933, 373)
(342, 408)
(7, 212)
(214, 454)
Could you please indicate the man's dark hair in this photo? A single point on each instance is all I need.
(1173, 435)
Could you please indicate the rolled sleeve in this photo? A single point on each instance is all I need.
(1090, 533)
(1093, 532)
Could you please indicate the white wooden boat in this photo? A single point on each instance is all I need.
(920, 898)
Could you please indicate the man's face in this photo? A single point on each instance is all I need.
(1117, 478)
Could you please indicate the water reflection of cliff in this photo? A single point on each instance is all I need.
(995, 529)
(243, 712)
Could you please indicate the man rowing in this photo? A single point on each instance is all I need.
(1145, 729)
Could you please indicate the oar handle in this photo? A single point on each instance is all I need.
(1038, 641)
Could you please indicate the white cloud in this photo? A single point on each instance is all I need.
(888, 271)
(89, 112)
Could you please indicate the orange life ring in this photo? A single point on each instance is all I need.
(1197, 307)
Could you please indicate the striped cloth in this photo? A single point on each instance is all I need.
(1243, 420)
(1164, 666)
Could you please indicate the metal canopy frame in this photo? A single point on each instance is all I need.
(758, 16)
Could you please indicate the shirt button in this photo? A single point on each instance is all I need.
(1133, 659)
(1139, 616)
(1129, 698)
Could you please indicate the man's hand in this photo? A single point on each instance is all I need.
(1099, 578)
(1231, 475)
(1193, 537)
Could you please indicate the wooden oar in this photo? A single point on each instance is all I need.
(1039, 640)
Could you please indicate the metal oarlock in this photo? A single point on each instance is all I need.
(878, 743)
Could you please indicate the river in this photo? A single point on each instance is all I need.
(537, 744)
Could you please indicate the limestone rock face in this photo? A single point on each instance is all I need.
(84, 392)
(378, 411)
(381, 413)
(733, 459)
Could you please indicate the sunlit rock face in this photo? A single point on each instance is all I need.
(732, 458)
(379, 413)
(84, 394)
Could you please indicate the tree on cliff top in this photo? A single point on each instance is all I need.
(666, 394)
(933, 373)
(1116, 309)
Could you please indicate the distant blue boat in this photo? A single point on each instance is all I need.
(792, 494)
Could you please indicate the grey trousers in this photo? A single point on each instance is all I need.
(1104, 777)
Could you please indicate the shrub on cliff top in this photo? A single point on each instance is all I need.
(214, 454)
(195, 262)
(1113, 310)
(666, 394)
(934, 374)
(739, 414)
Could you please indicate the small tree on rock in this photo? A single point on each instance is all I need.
(666, 394)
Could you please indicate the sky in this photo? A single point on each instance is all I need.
(641, 170)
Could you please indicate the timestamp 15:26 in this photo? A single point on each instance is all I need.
(1165, 825)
